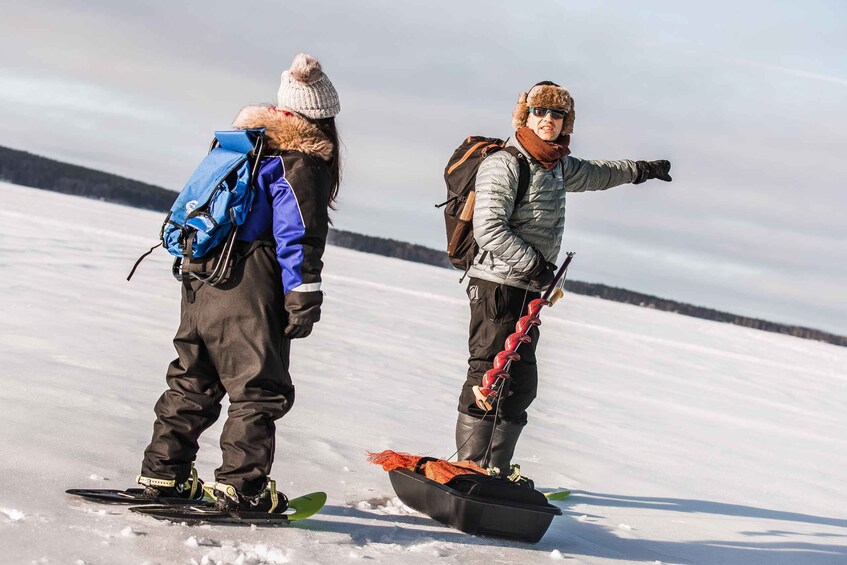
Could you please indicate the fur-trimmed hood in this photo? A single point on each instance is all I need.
(285, 131)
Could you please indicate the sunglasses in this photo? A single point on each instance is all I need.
(541, 112)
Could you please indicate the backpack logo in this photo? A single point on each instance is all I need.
(191, 205)
(473, 292)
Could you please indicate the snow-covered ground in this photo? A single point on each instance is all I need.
(684, 441)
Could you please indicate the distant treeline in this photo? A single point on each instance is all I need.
(638, 299)
(421, 254)
(20, 167)
(389, 248)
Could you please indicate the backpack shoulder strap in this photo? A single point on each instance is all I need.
(523, 175)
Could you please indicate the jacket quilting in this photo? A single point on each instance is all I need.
(513, 241)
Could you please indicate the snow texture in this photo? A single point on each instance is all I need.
(683, 440)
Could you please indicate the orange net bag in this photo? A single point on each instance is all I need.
(436, 470)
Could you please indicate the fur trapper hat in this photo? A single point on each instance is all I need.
(305, 89)
(544, 95)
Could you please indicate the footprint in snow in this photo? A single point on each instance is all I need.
(201, 542)
(384, 505)
(129, 532)
(11, 515)
(432, 547)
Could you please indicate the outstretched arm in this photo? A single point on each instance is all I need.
(582, 175)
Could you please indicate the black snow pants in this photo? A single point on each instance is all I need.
(230, 341)
(495, 309)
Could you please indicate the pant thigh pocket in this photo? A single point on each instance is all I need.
(502, 307)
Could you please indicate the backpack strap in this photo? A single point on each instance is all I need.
(140, 259)
(523, 174)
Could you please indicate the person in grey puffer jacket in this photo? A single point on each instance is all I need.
(517, 246)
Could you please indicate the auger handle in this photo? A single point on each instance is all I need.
(548, 294)
(557, 294)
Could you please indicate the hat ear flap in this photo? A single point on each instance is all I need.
(567, 126)
(520, 113)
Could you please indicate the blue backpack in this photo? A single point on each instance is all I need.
(213, 204)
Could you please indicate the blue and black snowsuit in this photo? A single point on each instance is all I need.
(231, 336)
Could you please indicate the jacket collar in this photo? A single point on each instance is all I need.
(285, 131)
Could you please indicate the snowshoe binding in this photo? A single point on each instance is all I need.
(228, 499)
(512, 474)
(155, 491)
(268, 508)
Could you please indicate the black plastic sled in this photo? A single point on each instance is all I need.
(473, 514)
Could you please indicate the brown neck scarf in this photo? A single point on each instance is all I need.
(547, 153)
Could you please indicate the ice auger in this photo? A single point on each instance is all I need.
(495, 378)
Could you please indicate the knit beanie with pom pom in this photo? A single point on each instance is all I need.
(305, 89)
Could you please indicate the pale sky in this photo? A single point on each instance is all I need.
(748, 100)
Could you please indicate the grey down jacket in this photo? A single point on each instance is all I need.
(512, 241)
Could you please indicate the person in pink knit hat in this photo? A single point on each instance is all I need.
(234, 339)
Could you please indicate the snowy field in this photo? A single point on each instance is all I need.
(684, 441)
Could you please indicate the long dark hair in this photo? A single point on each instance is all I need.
(328, 128)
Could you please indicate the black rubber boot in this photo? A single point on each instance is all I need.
(505, 438)
(472, 438)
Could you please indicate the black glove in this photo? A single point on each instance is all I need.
(296, 331)
(542, 275)
(652, 170)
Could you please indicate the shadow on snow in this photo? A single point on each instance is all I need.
(573, 537)
(594, 539)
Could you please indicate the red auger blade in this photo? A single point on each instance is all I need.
(513, 340)
(503, 358)
(489, 379)
(525, 322)
(536, 305)
(486, 393)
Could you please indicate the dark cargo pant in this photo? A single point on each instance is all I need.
(230, 341)
(495, 309)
